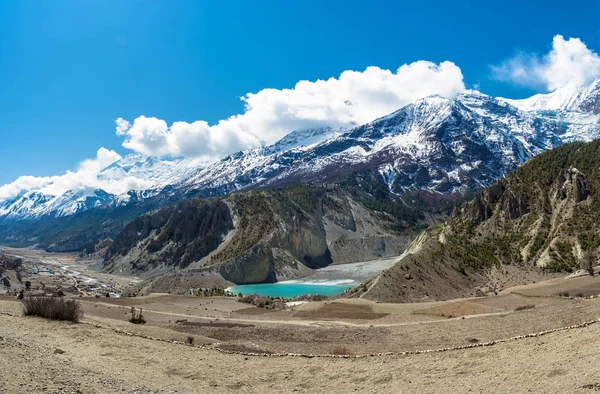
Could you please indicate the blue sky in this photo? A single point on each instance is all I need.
(68, 69)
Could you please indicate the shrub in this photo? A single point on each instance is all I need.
(53, 308)
(137, 317)
(190, 340)
(589, 261)
(523, 307)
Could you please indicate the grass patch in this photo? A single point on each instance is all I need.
(53, 308)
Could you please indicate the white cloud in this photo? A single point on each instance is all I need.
(84, 178)
(569, 62)
(104, 158)
(122, 126)
(351, 99)
(23, 184)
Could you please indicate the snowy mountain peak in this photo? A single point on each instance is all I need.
(152, 171)
(583, 98)
(304, 137)
(431, 103)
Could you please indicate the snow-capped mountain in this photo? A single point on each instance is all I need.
(579, 98)
(33, 204)
(159, 172)
(152, 173)
(244, 169)
(303, 139)
(439, 144)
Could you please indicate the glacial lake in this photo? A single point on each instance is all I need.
(330, 281)
(292, 289)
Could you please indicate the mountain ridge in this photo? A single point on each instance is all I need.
(544, 217)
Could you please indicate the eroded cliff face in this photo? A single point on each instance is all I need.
(255, 237)
(545, 217)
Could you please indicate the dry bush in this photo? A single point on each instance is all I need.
(137, 317)
(53, 308)
(523, 307)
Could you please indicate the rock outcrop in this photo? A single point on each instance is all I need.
(10, 277)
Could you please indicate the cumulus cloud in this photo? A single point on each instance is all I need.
(84, 178)
(568, 62)
(354, 98)
(104, 158)
(23, 184)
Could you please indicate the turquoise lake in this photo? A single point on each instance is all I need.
(292, 289)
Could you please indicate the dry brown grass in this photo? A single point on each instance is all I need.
(341, 351)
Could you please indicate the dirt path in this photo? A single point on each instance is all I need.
(101, 361)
